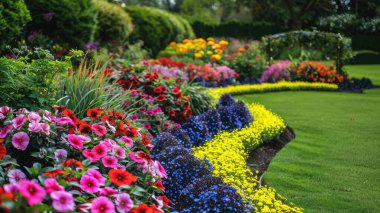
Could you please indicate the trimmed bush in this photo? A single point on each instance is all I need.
(156, 28)
(114, 24)
(71, 24)
(13, 16)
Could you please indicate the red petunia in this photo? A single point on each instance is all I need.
(146, 142)
(1, 140)
(69, 113)
(158, 184)
(94, 113)
(176, 91)
(73, 164)
(161, 98)
(3, 151)
(145, 208)
(84, 127)
(121, 177)
(172, 113)
(54, 173)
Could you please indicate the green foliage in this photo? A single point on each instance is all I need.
(114, 24)
(86, 88)
(68, 23)
(29, 80)
(13, 16)
(156, 28)
(200, 100)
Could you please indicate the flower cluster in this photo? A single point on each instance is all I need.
(314, 72)
(276, 72)
(227, 152)
(61, 163)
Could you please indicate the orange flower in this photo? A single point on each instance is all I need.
(1, 140)
(54, 173)
(3, 151)
(94, 113)
(72, 163)
(121, 177)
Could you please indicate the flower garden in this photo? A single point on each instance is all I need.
(109, 107)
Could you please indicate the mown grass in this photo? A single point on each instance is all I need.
(333, 165)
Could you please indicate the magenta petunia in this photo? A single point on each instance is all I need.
(90, 155)
(34, 127)
(34, 117)
(100, 150)
(18, 121)
(62, 201)
(31, 191)
(45, 128)
(97, 175)
(119, 152)
(102, 205)
(64, 121)
(15, 176)
(128, 141)
(5, 130)
(160, 170)
(109, 143)
(134, 117)
(107, 191)
(77, 140)
(147, 126)
(20, 140)
(99, 129)
(51, 185)
(89, 184)
(123, 202)
(110, 162)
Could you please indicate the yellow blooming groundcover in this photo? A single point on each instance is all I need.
(270, 87)
(228, 151)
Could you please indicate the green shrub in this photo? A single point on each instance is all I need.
(114, 23)
(29, 81)
(13, 16)
(200, 100)
(68, 23)
(156, 28)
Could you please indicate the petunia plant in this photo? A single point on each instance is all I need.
(58, 162)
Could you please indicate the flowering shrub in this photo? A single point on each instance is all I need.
(61, 163)
(314, 72)
(276, 72)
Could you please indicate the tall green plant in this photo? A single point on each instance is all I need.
(200, 100)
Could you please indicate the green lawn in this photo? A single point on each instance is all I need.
(333, 165)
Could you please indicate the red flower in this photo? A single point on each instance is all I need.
(3, 151)
(94, 113)
(73, 164)
(158, 184)
(159, 89)
(84, 127)
(1, 140)
(54, 173)
(131, 132)
(121, 177)
(161, 98)
(69, 113)
(143, 208)
(146, 142)
(176, 91)
(172, 113)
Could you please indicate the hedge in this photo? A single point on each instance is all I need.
(157, 28)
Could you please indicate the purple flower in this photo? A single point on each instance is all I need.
(60, 155)
(92, 46)
(62, 201)
(134, 117)
(123, 202)
(48, 16)
(15, 176)
(20, 140)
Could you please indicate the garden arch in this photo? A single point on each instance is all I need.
(334, 45)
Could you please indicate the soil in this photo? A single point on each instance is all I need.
(261, 157)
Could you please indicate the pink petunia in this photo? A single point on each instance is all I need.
(34, 127)
(119, 152)
(64, 121)
(62, 201)
(97, 175)
(109, 143)
(123, 202)
(77, 140)
(51, 185)
(89, 155)
(102, 205)
(15, 176)
(128, 141)
(31, 191)
(100, 150)
(89, 184)
(147, 126)
(34, 117)
(160, 170)
(140, 157)
(107, 191)
(5, 130)
(10, 188)
(5, 110)
(45, 128)
(99, 129)
(20, 140)
(18, 121)
(110, 162)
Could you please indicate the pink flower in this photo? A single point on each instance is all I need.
(108, 142)
(5, 130)
(15, 176)
(34, 127)
(123, 202)
(127, 141)
(97, 175)
(62, 201)
(107, 191)
(134, 117)
(160, 170)
(119, 152)
(99, 129)
(77, 140)
(5, 110)
(19, 121)
(31, 191)
(147, 126)
(20, 140)
(99, 150)
(89, 184)
(89, 155)
(64, 121)
(102, 205)
(45, 128)
(51, 185)
(10, 188)
(34, 117)
(110, 162)
(140, 157)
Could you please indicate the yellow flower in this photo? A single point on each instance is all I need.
(172, 44)
(209, 52)
(198, 55)
(223, 42)
(215, 57)
(210, 43)
(210, 39)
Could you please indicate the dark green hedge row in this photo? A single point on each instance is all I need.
(157, 28)
(253, 30)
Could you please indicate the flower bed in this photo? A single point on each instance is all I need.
(269, 87)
